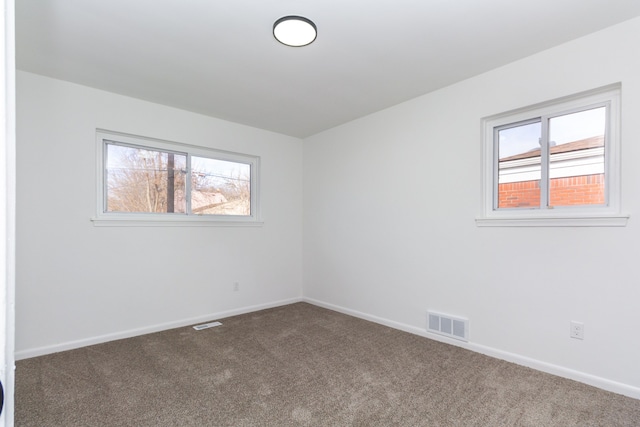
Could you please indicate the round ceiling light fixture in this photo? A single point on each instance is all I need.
(295, 31)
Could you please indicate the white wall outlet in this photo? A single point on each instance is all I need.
(576, 330)
(236, 287)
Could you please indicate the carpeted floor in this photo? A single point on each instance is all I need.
(299, 365)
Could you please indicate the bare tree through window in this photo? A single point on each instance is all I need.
(144, 180)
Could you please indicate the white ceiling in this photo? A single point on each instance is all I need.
(219, 58)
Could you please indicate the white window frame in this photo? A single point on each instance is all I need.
(608, 214)
(103, 218)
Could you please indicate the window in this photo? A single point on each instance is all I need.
(150, 182)
(556, 163)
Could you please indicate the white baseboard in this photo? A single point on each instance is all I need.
(603, 383)
(70, 345)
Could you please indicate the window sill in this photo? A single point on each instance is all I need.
(564, 221)
(177, 221)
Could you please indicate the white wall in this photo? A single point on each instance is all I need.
(7, 208)
(389, 232)
(78, 284)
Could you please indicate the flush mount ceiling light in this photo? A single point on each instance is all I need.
(295, 31)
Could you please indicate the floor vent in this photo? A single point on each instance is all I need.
(206, 326)
(450, 326)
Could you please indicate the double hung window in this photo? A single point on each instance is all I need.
(556, 163)
(154, 181)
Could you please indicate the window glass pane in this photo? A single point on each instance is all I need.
(144, 180)
(519, 166)
(220, 187)
(576, 168)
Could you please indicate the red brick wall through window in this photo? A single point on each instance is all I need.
(571, 191)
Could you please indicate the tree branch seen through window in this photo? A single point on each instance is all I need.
(145, 180)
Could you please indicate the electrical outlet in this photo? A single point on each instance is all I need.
(236, 287)
(576, 330)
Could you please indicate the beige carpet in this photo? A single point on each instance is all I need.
(299, 365)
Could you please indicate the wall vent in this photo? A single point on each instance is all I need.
(206, 326)
(450, 326)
